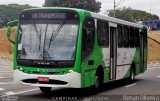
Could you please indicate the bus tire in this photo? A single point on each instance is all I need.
(45, 89)
(132, 73)
(98, 80)
(97, 84)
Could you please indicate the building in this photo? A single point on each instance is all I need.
(153, 25)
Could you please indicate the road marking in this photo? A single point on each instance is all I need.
(2, 89)
(15, 93)
(158, 76)
(26, 91)
(6, 83)
(6, 71)
(6, 77)
(157, 65)
(10, 93)
(130, 85)
(153, 68)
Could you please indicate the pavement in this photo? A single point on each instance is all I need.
(6, 68)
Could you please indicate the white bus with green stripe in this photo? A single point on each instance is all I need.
(75, 48)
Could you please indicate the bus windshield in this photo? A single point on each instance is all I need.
(49, 41)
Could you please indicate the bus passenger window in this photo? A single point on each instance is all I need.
(103, 33)
(131, 37)
(137, 39)
(125, 36)
(120, 41)
(84, 41)
(88, 37)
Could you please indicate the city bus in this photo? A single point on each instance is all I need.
(75, 48)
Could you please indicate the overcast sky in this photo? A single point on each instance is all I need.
(152, 6)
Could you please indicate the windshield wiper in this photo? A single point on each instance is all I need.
(46, 55)
(55, 33)
(39, 35)
(20, 34)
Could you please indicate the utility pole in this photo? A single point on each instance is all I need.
(117, 4)
(150, 10)
(114, 8)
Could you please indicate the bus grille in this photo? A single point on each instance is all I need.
(35, 81)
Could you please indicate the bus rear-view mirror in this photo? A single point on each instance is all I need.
(9, 29)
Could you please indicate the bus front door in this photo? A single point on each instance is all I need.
(113, 51)
(143, 53)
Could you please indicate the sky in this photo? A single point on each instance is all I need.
(151, 6)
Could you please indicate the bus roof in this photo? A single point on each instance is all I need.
(52, 8)
(95, 15)
(115, 20)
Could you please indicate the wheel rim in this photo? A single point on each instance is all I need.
(97, 82)
(132, 75)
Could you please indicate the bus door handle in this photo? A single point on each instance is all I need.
(90, 62)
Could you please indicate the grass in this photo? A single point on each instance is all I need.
(6, 55)
(6, 48)
(154, 46)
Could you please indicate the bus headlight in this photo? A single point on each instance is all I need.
(71, 71)
(21, 69)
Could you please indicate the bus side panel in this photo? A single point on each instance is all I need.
(89, 71)
(145, 58)
(137, 60)
(125, 58)
(106, 63)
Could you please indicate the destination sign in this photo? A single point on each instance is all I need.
(49, 15)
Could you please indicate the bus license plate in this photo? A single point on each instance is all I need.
(43, 79)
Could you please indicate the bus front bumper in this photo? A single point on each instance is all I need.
(69, 80)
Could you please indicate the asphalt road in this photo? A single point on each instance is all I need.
(145, 84)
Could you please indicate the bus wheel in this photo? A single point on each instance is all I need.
(45, 89)
(98, 80)
(97, 84)
(132, 75)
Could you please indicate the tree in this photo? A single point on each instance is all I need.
(91, 5)
(10, 12)
(133, 15)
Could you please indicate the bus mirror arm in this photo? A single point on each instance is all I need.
(8, 33)
(11, 41)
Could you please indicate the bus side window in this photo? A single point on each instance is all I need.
(125, 36)
(88, 37)
(103, 33)
(120, 41)
(137, 38)
(131, 37)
